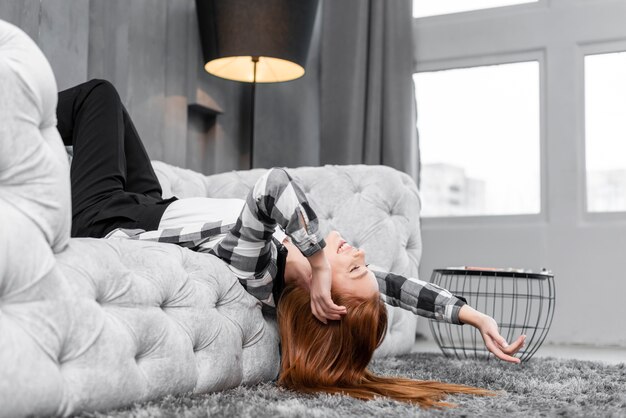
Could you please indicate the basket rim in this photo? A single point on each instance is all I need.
(495, 273)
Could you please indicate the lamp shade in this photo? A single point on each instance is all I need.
(274, 33)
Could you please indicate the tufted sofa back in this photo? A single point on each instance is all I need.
(374, 207)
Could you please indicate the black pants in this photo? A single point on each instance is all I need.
(113, 183)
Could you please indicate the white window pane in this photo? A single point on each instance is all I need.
(479, 140)
(605, 131)
(423, 8)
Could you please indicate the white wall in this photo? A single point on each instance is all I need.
(587, 252)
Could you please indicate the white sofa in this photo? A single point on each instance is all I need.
(91, 324)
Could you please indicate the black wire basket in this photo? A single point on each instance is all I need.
(521, 302)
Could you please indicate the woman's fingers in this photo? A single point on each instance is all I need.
(493, 347)
(504, 346)
(331, 310)
(315, 312)
(498, 346)
(329, 306)
(515, 346)
(325, 309)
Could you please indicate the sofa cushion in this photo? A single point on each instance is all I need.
(121, 321)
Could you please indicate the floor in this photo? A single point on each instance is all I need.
(608, 355)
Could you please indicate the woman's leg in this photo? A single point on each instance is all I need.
(248, 249)
(111, 174)
(108, 154)
(140, 176)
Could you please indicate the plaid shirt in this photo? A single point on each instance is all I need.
(248, 249)
(420, 297)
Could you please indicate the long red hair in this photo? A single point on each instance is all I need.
(333, 358)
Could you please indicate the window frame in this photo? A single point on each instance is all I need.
(585, 49)
(488, 12)
(487, 60)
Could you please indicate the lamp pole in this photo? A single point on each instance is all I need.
(255, 60)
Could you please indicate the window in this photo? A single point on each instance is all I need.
(605, 131)
(479, 140)
(423, 8)
(566, 235)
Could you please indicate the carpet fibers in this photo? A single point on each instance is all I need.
(541, 387)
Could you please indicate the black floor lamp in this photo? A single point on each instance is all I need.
(256, 41)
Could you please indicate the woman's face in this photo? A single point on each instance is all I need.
(350, 275)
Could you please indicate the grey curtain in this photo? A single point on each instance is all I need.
(367, 111)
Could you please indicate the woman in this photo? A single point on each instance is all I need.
(271, 236)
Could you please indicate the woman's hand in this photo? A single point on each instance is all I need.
(322, 305)
(488, 328)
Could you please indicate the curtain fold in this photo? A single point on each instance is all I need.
(367, 98)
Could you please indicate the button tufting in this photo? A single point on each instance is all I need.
(139, 354)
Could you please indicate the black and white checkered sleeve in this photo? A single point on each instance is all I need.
(277, 196)
(248, 248)
(420, 297)
(192, 236)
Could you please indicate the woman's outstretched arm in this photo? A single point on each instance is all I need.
(434, 302)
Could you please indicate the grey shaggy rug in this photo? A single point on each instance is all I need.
(541, 387)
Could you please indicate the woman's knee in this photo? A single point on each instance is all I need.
(102, 90)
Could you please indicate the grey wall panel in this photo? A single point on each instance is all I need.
(150, 50)
(22, 13)
(64, 39)
(146, 72)
(109, 22)
(223, 146)
(179, 12)
(60, 28)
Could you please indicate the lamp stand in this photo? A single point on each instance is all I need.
(255, 60)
